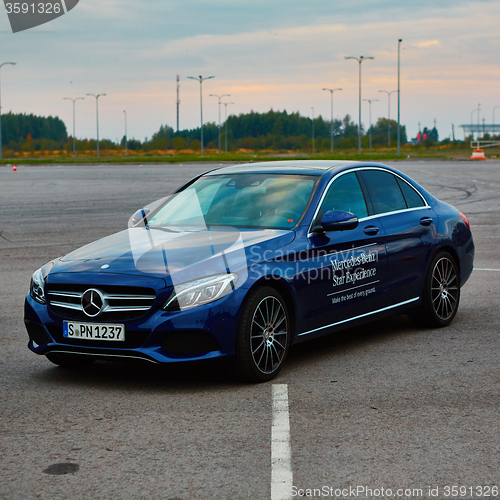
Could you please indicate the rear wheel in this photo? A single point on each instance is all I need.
(263, 336)
(441, 294)
(69, 360)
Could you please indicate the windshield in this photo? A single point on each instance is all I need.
(243, 200)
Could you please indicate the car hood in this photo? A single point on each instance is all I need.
(175, 256)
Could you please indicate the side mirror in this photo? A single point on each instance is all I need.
(140, 215)
(144, 213)
(337, 220)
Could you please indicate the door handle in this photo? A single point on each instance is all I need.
(371, 230)
(426, 221)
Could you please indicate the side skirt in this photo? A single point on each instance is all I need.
(357, 320)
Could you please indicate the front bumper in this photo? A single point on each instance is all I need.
(159, 336)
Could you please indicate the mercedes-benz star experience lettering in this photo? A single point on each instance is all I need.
(246, 260)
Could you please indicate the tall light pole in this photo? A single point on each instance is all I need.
(331, 127)
(97, 117)
(478, 111)
(225, 122)
(75, 99)
(370, 112)
(201, 80)
(219, 97)
(126, 148)
(472, 124)
(3, 64)
(399, 95)
(312, 128)
(178, 102)
(389, 118)
(493, 120)
(360, 60)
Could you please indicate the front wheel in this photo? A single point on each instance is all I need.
(263, 336)
(441, 294)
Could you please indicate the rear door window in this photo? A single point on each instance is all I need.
(385, 193)
(413, 199)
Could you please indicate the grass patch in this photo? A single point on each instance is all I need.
(377, 156)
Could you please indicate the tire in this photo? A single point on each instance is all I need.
(69, 360)
(263, 336)
(441, 294)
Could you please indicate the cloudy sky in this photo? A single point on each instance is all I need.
(267, 54)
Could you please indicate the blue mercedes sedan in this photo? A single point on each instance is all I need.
(246, 260)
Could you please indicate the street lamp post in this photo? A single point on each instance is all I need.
(370, 113)
(201, 80)
(399, 95)
(472, 123)
(360, 60)
(97, 117)
(478, 111)
(312, 128)
(225, 123)
(126, 148)
(389, 118)
(74, 100)
(493, 120)
(331, 127)
(219, 97)
(3, 64)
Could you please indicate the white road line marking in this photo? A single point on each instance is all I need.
(477, 269)
(281, 452)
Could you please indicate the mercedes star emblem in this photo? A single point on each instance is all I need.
(92, 302)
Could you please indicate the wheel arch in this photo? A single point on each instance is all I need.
(280, 285)
(447, 247)
(427, 313)
(451, 250)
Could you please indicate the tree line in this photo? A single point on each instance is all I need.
(277, 130)
(273, 130)
(22, 131)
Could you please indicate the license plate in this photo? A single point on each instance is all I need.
(93, 331)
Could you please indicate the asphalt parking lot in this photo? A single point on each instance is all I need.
(386, 407)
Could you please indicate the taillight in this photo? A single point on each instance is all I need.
(464, 218)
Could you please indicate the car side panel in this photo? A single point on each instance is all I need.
(409, 246)
(339, 275)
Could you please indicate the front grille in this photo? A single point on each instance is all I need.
(133, 340)
(119, 303)
(190, 343)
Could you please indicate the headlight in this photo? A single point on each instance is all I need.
(199, 292)
(36, 286)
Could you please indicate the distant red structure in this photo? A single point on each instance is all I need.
(422, 136)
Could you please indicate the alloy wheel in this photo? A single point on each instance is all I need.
(444, 288)
(269, 334)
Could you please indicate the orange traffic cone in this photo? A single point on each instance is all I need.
(478, 154)
(14, 169)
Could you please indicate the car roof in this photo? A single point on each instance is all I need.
(297, 167)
